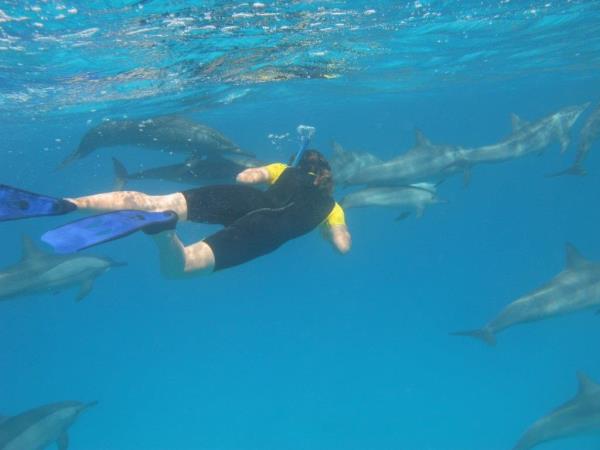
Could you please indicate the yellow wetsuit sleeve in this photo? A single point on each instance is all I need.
(335, 217)
(275, 170)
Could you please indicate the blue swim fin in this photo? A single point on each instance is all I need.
(101, 228)
(19, 204)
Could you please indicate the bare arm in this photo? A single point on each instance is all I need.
(340, 237)
(253, 175)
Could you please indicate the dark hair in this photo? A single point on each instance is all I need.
(313, 161)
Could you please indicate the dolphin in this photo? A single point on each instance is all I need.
(169, 133)
(39, 271)
(422, 162)
(578, 416)
(415, 196)
(589, 133)
(527, 138)
(194, 171)
(346, 164)
(38, 428)
(576, 288)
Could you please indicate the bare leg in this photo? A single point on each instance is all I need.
(179, 261)
(112, 201)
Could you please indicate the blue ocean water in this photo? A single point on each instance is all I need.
(304, 348)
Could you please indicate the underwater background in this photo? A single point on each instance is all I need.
(304, 348)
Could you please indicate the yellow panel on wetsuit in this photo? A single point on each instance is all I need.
(335, 217)
(275, 170)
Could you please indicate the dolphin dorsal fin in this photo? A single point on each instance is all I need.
(573, 257)
(30, 250)
(421, 140)
(586, 384)
(517, 122)
(337, 148)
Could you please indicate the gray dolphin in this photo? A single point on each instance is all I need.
(589, 133)
(345, 164)
(422, 162)
(415, 196)
(576, 288)
(38, 428)
(195, 171)
(169, 133)
(39, 271)
(527, 138)
(578, 416)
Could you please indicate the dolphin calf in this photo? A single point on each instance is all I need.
(527, 138)
(589, 133)
(578, 416)
(422, 162)
(195, 171)
(39, 271)
(576, 288)
(40, 427)
(169, 133)
(415, 197)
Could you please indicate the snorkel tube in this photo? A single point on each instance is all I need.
(306, 132)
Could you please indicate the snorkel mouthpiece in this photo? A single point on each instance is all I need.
(306, 133)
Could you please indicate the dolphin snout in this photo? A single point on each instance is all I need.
(67, 161)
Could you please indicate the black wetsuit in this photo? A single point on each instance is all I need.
(258, 222)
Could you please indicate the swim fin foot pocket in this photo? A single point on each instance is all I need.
(19, 204)
(94, 230)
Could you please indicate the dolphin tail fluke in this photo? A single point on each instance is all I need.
(484, 334)
(576, 169)
(121, 175)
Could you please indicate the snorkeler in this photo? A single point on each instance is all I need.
(256, 222)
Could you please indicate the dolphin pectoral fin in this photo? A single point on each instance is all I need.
(419, 212)
(63, 441)
(576, 169)
(565, 141)
(485, 334)
(467, 177)
(402, 216)
(85, 289)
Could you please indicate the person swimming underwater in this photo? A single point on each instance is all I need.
(256, 222)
